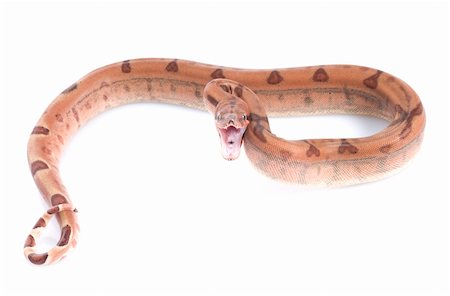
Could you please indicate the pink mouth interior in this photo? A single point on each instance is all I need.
(231, 140)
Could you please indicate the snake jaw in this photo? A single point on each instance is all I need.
(231, 119)
(231, 140)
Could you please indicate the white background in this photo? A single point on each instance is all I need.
(171, 217)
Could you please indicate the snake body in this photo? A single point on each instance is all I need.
(282, 92)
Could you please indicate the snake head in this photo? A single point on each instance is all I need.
(232, 119)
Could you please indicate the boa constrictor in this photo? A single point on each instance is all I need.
(240, 100)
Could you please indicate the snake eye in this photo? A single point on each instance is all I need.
(218, 117)
(244, 117)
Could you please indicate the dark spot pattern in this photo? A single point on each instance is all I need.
(218, 73)
(226, 88)
(274, 77)
(320, 75)
(238, 91)
(258, 118)
(38, 259)
(400, 111)
(104, 84)
(172, 66)
(372, 81)
(349, 101)
(212, 100)
(258, 128)
(65, 236)
(126, 66)
(40, 130)
(30, 242)
(386, 148)
(59, 117)
(346, 146)
(198, 93)
(401, 114)
(47, 150)
(70, 89)
(312, 150)
(285, 155)
(37, 166)
(58, 199)
(52, 210)
(75, 114)
(405, 93)
(308, 101)
(40, 223)
(408, 127)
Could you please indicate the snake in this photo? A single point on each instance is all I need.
(241, 101)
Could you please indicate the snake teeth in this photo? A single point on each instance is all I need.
(240, 109)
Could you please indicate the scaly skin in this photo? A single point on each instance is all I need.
(282, 92)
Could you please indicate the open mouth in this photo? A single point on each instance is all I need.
(231, 140)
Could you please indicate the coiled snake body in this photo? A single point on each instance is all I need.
(239, 99)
